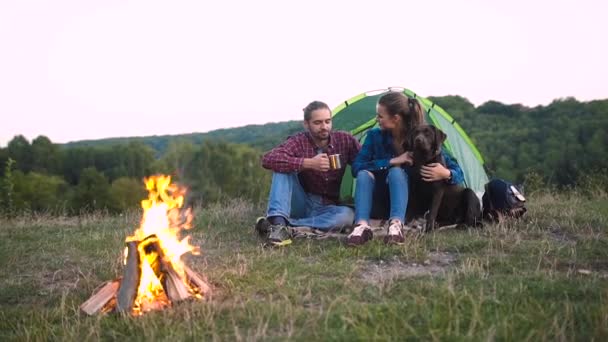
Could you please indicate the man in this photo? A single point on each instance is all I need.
(304, 189)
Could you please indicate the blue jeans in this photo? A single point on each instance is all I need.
(288, 199)
(397, 182)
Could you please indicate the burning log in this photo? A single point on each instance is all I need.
(120, 295)
(197, 281)
(154, 276)
(130, 280)
(97, 301)
(172, 283)
(174, 286)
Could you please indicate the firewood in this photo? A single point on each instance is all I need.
(130, 280)
(173, 285)
(198, 281)
(97, 301)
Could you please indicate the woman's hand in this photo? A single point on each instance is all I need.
(434, 172)
(403, 159)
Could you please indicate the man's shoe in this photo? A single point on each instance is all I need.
(395, 234)
(279, 235)
(361, 234)
(262, 227)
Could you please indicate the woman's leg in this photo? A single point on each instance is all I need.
(363, 196)
(364, 191)
(397, 180)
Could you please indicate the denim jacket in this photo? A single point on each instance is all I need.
(378, 150)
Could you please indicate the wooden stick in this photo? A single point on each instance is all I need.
(198, 281)
(173, 285)
(97, 301)
(130, 280)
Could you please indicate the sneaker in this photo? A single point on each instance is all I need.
(361, 234)
(395, 234)
(262, 227)
(279, 235)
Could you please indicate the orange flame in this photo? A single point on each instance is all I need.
(164, 219)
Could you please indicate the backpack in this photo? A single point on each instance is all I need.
(502, 200)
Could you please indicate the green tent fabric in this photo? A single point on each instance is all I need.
(358, 114)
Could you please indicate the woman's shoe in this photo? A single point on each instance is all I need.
(395, 234)
(362, 233)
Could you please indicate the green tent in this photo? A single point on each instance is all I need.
(358, 114)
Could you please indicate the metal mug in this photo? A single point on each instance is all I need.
(334, 162)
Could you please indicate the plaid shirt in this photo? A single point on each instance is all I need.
(289, 156)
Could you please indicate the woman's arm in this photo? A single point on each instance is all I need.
(451, 173)
(365, 160)
(457, 176)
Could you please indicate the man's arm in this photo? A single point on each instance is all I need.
(285, 158)
(288, 158)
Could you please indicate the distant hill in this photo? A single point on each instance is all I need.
(559, 141)
(262, 137)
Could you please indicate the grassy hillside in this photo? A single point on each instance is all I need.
(545, 278)
(261, 136)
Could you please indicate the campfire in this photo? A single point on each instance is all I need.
(154, 276)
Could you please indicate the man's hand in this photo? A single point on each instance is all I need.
(434, 172)
(406, 158)
(320, 162)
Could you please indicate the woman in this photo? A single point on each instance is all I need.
(384, 161)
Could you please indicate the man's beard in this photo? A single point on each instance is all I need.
(321, 136)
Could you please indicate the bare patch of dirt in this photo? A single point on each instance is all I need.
(385, 271)
(558, 234)
(593, 268)
(59, 280)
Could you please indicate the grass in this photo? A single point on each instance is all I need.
(543, 278)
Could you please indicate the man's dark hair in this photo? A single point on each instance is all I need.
(314, 105)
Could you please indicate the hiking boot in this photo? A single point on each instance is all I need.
(395, 234)
(361, 234)
(279, 235)
(262, 227)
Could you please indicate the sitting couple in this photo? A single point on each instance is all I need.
(305, 190)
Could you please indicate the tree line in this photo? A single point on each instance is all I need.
(42, 176)
(562, 144)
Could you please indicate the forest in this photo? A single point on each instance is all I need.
(560, 145)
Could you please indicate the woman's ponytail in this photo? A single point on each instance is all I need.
(408, 108)
(416, 114)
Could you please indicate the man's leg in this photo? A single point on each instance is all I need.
(287, 197)
(325, 217)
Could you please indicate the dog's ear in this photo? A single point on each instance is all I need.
(439, 139)
(409, 141)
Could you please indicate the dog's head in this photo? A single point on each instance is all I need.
(425, 141)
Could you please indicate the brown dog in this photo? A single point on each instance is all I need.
(446, 203)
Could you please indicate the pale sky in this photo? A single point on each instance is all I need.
(85, 69)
